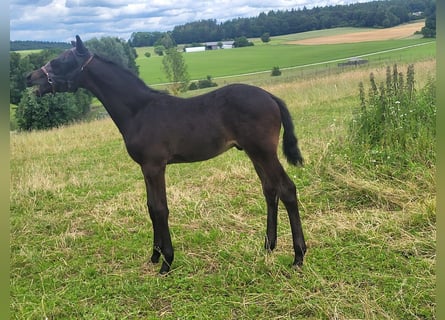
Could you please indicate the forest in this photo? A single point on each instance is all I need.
(375, 14)
(19, 45)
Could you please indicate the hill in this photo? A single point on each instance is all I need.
(80, 233)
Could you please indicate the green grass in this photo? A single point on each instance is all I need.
(81, 236)
(220, 63)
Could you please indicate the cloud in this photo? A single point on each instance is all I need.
(60, 20)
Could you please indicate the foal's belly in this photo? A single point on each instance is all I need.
(201, 151)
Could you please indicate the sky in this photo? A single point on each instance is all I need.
(61, 20)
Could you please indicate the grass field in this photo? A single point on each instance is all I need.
(81, 236)
(222, 63)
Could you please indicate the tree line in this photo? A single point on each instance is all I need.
(19, 45)
(376, 14)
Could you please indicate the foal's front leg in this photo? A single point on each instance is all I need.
(157, 207)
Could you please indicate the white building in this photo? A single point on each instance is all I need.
(195, 49)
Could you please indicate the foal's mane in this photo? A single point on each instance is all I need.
(128, 73)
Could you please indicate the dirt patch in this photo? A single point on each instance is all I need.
(399, 32)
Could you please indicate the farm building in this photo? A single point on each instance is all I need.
(195, 49)
(212, 46)
(219, 45)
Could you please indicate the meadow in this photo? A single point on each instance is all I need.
(223, 63)
(81, 236)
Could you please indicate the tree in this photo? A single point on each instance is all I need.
(17, 69)
(116, 50)
(144, 39)
(429, 30)
(176, 70)
(166, 41)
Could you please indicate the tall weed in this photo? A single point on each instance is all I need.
(387, 157)
(395, 126)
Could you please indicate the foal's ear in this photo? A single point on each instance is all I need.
(73, 43)
(80, 47)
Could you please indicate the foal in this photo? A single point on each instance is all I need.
(159, 129)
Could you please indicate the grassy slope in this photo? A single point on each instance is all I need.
(80, 234)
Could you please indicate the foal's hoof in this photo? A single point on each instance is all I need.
(156, 256)
(298, 263)
(269, 245)
(165, 269)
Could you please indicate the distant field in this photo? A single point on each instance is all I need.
(24, 53)
(398, 32)
(310, 34)
(221, 63)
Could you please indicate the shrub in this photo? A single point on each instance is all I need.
(159, 50)
(193, 86)
(276, 72)
(242, 42)
(201, 84)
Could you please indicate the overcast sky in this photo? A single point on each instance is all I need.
(61, 20)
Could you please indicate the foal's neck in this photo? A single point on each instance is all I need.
(121, 92)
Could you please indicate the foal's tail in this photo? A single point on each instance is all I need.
(290, 142)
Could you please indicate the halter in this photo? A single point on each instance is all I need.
(50, 77)
(87, 62)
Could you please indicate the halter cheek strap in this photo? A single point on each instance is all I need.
(87, 62)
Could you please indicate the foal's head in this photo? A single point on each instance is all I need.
(62, 73)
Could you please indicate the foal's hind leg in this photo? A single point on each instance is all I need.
(288, 194)
(277, 183)
(270, 192)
